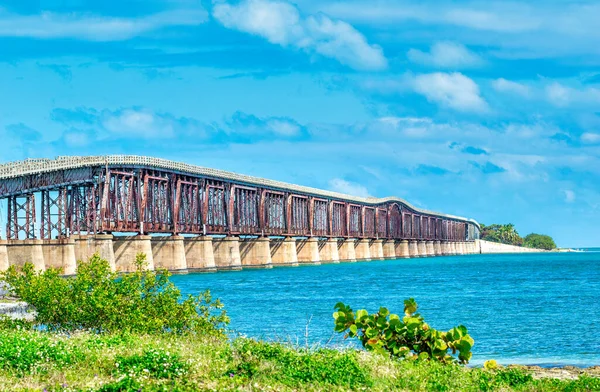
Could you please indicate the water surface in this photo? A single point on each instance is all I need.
(528, 308)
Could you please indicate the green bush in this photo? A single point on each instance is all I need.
(409, 337)
(539, 241)
(26, 352)
(295, 366)
(104, 301)
(153, 363)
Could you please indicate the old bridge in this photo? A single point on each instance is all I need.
(189, 218)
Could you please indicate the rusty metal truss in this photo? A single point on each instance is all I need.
(88, 195)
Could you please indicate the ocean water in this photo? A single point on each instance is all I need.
(539, 309)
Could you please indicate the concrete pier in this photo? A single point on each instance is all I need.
(460, 248)
(363, 250)
(256, 253)
(3, 256)
(422, 248)
(402, 251)
(226, 251)
(199, 256)
(437, 248)
(283, 252)
(429, 247)
(169, 253)
(389, 249)
(308, 251)
(126, 249)
(413, 248)
(453, 248)
(328, 251)
(346, 250)
(376, 249)
(26, 251)
(60, 253)
(87, 245)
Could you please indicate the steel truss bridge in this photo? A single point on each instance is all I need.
(134, 194)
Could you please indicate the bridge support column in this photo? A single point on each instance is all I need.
(256, 253)
(376, 249)
(26, 251)
(453, 248)
(445, 248)
(199, 255)
(437, 248)
(402, 251)
(389, 249)
(60, 253)
(169, 253)
(346, 250)
(226, 251)
(429, 248)
(87, 245)
(3, 256)
(422, 248)
(283, 252)
(308, 251)
(362, 250)
(328, 251)
(413, 248)
(460, 248)
(126, 249)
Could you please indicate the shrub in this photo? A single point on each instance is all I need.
(539, 241)
(104, 301)
(26, 352)
(154, 363)
(295, 366)
(409, 337)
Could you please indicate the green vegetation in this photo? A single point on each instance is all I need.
(507, 234)
(539, 241)
(409, 338)
(74, 344)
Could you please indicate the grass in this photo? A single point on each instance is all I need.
(36, 361)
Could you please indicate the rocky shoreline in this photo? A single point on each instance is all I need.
(561, 373)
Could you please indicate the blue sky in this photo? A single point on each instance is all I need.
(489, 110)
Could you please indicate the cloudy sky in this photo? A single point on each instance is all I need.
(488, 109)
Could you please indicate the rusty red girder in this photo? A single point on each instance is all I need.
(144, 200)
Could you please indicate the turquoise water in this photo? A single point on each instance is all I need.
(533, 308)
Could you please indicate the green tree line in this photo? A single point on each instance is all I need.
(507, 234)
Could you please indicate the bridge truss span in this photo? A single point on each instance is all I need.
(130, 194)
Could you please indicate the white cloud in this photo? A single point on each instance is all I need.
(446, 55)
(284, 127)
(508, 86)
(569, 195)
(590, 138)
(281, 23)
(49, 25)
(562, 96)
(348, 188)
(452, 90)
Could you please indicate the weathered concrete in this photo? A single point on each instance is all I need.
(346, 250)
(389, 249)
(226, 251)
(437, 248)
(127, 248)
(460, 247)
(168, 253)
(26, 251)
(429, 248)
(256, 253)
(3, 256)
(422, 248)
(453, 248)
(328, 251)
(199, 256)
(308, 251)
(402, 251)
(87, 245)
(362, 250)
(493, 247)
(60, 253)
(283, 252)
(477, 246)
(413, 248)
(376, 249)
